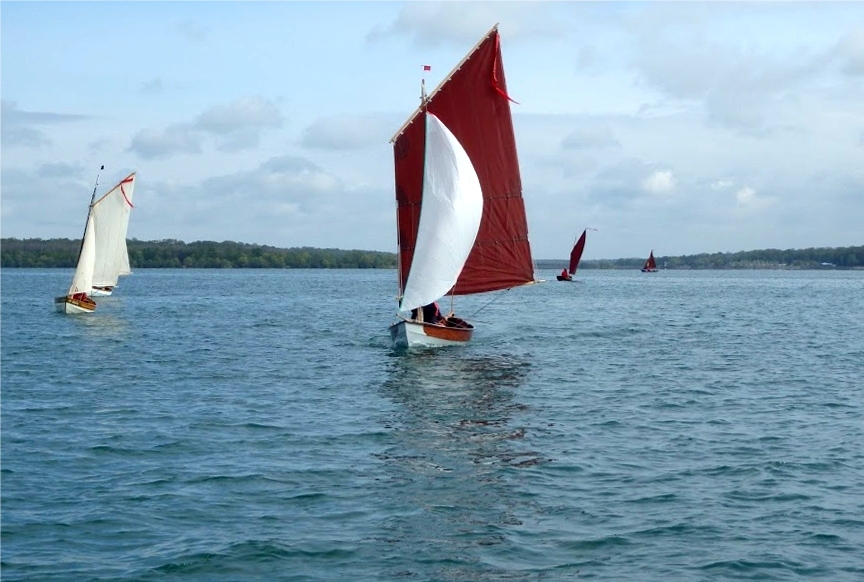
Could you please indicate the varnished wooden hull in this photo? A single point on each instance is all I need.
(67, 304)
(407, 334)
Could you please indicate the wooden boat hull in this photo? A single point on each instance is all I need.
(101, 291)
(407, 334)
(67, 304)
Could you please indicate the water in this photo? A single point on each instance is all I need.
(254, 425)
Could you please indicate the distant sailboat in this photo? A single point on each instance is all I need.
(461, 219)
(575, 257)
(111, 221)
(650, 265)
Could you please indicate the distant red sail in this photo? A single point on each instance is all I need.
(650, 263)
(576, 253)
(473, 104)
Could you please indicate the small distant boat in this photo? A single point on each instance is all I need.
(111, 221)
(575, 257)
(461, 219)
(650, 265)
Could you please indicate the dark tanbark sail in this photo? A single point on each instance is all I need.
(473, 103)
(576, 253)
(650, 264)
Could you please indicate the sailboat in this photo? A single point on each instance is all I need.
(575, 257)
(650, 265)
(461, 221)
(111, 221)
(77, 299)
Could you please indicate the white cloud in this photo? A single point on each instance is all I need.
(232, 127)
(593, 137)
(348, 132)
(747, 199)
(24, 128)
(431, 24)
(660, 182)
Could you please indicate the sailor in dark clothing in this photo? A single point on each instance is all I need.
(431, 313)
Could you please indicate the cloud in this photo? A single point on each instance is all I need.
(746, 198)
(240, 123)
(347, 132)
(659, 182)
(19, 127)
(174, 139)
(739, 86)
(721, 185)
(59, 170)
(286, 201)
(232, 127)
(850, 52)
(433, 24)
(598, 137)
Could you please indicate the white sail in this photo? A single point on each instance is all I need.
(82, 282)
(111, 220)
(450, 215)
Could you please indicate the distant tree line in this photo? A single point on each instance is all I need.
(61, 252)
(813, 258)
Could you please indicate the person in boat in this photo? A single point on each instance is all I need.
(565, 274)
(430, 313)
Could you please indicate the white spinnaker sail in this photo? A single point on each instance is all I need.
(111, 220)
(450, 215)
(82, 282)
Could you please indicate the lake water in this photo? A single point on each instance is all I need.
(254, 425)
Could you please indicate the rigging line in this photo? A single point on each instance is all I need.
(482, 307)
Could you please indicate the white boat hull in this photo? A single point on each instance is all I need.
(67, 304)
(101, 291)
(407, 334)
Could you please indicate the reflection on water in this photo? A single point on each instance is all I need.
(453, 468)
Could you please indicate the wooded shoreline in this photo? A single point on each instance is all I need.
(172, 254)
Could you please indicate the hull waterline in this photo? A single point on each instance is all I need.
(67, 304)
(406, 334)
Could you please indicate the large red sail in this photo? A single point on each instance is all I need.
(474, 105)
(576, 253)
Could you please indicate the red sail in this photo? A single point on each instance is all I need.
(473, 103)
(650, 263)
(576, 253)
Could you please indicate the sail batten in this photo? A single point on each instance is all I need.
(472, 102)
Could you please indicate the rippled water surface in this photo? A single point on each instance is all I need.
(254, 425)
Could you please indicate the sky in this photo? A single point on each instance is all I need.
(682, 127)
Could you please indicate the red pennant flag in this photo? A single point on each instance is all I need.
(427, 67)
